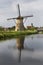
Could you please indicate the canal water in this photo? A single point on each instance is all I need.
(24, 50)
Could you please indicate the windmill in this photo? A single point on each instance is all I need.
(19, 21)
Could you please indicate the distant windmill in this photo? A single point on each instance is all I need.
(19, 21)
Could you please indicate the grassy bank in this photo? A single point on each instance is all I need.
(13, 34)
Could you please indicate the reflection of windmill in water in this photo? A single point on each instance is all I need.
(19, 21)
(20, 46)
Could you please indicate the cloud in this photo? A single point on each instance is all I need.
(19, 1)
(34, 5)
(6, 3)
(8, 8)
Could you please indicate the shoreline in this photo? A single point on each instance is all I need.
(15, 34)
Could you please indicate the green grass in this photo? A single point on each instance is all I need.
(13, 34)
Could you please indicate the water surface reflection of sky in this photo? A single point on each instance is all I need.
(22, 50)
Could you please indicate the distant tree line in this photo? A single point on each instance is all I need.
(5, 29)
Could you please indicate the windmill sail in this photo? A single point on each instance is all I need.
(27, 16)
(11, 18)
(18, 10)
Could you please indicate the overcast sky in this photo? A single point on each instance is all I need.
(8, 8)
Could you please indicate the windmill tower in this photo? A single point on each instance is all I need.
(19, 21)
